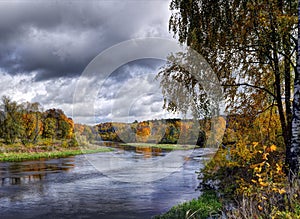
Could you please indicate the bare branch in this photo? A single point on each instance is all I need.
(250, 85)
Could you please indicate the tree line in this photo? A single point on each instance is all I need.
(162, 131)
(27, 122)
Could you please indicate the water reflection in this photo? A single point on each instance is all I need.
(21, 179)
(73, 188)
(148, 152)
(145, 151)
(14, 173)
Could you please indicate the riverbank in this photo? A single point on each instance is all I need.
(206, 206)
(23, 156)
(19, 152)
(162, 146)
(45, 149)
(246, 189)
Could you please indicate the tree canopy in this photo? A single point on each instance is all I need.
(26, 122)
(251, 46)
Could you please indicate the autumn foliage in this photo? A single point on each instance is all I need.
(165, 131)
(27, 123)
(249, 168)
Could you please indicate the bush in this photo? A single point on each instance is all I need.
(206, 205)
(248, 171)
(64, 144)
(73, 142)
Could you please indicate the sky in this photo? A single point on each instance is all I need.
(45, 46)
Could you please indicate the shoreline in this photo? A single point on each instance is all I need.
(162, 146)
(19, 156)
(27, 156)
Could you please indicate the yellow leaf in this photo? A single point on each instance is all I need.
(260, 208)
(259, 175)
(263, 184)
(257, 169)
(265, 156)
(273, 148)
(255, 144)
(278, 168)
(281, 191)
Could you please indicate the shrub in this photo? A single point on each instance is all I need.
(73, 142)
(64, 144)
(251, 175)
(203, 207)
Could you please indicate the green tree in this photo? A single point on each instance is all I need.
(250, 45)
(11, 124)
(64, 126)
(49, 130)
(64, 129)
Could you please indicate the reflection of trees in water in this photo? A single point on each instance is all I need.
(148, 152)
(16, 180)
(32, 171)
(18, 193)
(24, 179)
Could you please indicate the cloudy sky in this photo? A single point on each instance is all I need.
(46, 45)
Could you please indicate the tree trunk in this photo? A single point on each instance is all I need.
(288, 108)
(294, 152)
(278, 91)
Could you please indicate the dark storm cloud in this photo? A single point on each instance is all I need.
(58, 39)
(42, 37)
(45, 46)
(133, 69)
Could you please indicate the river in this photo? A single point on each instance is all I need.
(73, 188)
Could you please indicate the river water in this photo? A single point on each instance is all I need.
(74, 187)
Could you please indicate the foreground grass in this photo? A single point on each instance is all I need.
(163, 146)
(22, 156)
(203, 207)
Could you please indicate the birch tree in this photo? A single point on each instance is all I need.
(251, 45)
(295, 143)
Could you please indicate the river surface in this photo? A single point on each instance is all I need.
(75, 187)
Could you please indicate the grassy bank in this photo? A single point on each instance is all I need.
(206, 205)
(164, 146)
(46, 148)
(22, 156)
(18, 152)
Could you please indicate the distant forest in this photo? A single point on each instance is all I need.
(28, 124)
(163, 131)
